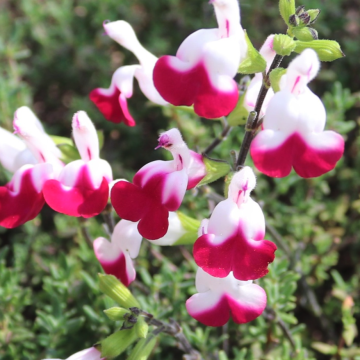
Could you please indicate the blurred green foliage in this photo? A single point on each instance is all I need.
(52, 54)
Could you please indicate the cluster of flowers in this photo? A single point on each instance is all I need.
(230, 250)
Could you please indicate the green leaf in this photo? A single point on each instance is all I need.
(327, 50)
(100, 135)
(116, 290)
(324, 348)
(187, 222)
(283, 44)
(143, 348)
(240, 114)
(215, 169)
(61, 140)
(141, 327)
(117, 343)
(313, 13)
(187, 239)
(254, 62)
(305, 34)
(116, 313)
(69, 152)
(287, 8)
(275, 77)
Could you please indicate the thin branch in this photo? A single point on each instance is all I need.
(108, 216)
(226, 131)
(249, 135)
(85, 231)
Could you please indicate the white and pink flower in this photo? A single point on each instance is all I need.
(232, 239)
(218, 299)
(82, 187)
(112, 102)
(293, 133)
(158, 187)
(116, 256)
(87, 354)
(34, 160)
(252, 92)
(205, 64)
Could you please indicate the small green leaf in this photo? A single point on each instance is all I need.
(287, 8)
(116, 313)
(187, 239)
(324, 348)
(305, 34)
(188, 223)
(215, 169)
(327, 50)
(254, 62)
(100, 135)
(240, 114)
(143, 348)
(117, 343)
(61, 140)
(68, 152)
(275, 77)
(116, 290)
(283, 44)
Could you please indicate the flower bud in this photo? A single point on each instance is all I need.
(313, 13)
(299, 10)
(305, 34)
(294, 20)
(305, 18)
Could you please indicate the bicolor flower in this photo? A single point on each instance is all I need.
(268, 53)
(87, 354)
(158, 187)
(232, 239)
(205, 64)
(218, 299)
(34, 160)
(116, 256)
(112, 102)
(82, 187)
(293, 133)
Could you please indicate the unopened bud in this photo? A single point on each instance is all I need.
(305, 18)
(305, 34)
(294, 20)
(313, 13)
(299, 10)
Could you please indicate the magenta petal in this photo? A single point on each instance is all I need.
(193, 86)
(308, 161)
(218, 315)
(80, 200)
(135, 204)
(243, 313)
(247, 258)
(17, 209)
(112, 106)
(118, 269)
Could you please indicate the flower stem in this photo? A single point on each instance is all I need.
(250, 133)
(219, 139)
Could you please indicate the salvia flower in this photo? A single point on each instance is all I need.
(82, 187)
(256, 82)
(218, 299)
(293, 133)
(116, 256)
(205, 64)
(158, 187)
(232, 239)
(112, 102)
(87, 354)
(35, 159)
